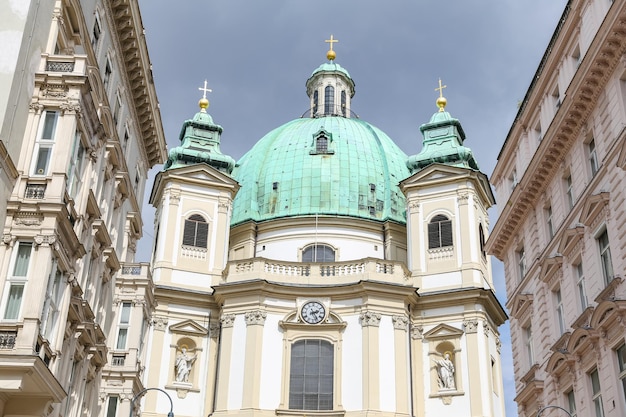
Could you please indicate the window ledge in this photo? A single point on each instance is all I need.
(317, 413)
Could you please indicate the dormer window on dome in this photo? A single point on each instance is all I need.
(322, 141)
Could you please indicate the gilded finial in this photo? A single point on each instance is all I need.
(204, 103)
(331, 54)
(441, 101)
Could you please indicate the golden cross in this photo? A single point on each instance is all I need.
(441, 87)
(205, 90)
(331, 41)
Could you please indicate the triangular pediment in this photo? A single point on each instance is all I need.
(550, 266)
(200, 174)
(440, 174)
(594, 206)
(188, 327)
(443, 331)
(570, 240)
(521, 305)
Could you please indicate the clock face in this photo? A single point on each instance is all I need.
(313, 312)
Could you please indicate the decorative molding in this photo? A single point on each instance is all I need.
(228, 320)
(369, 318)
(7, 239)
(470, 326)
(54, 90)
(174, 197)
(400, 322)
(214, 329)
(255, 317)
(417, 332)
(45, 240)
(160, 323)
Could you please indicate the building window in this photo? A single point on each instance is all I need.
(580, 283)
(315, 102)
(52, 304)
(560, 316)
(321, 144)
(621, 361)
(571, 402)
(318, 253)
(528, 341)
(95, 34)
(596, 393)
(538, 133)
(569, 191)
(521, 263)
(17, 281)
(343, 103)
(329, 100)
(117, 109)
(481, 237)
(122, 327)
(593, 156)
(605, 257)
(45, 142)
(549, 222)
(112, 406)
(513, 179)
(439, 232)
(75, 168)
(196, 232)
(107, 74)
(311, 375)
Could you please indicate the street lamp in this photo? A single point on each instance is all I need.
(552, 406)
(132, 402)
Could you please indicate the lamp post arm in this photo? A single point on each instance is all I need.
(541, 410)
(141, 393)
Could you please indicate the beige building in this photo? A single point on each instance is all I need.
(561, 233)
(325, 272)
(80, 128)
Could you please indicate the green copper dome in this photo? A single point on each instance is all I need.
(331, 66)
(326, 165)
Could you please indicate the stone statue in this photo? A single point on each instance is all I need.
(183, 365)
(445, 371)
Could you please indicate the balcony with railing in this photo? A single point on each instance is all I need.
(298, 273)
(64, 64)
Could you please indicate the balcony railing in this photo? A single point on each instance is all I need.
(35, 191)
(70, 64)
(7, 339)
(317, 273)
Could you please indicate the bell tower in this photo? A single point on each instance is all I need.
(457, 317)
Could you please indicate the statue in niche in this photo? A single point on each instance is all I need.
(183, 365)
(445, 372)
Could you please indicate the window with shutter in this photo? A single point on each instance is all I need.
(196, 232)
(439, 232)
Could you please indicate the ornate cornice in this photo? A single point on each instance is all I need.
(581, 98)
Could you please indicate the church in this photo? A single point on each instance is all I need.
(323, 273)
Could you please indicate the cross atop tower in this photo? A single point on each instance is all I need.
(331, 41)
(208, 90)
(440, 88)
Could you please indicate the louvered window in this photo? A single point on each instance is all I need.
(311, 375)
(439, 232)
(196, 232)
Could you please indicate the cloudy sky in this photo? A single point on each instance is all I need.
(257, 55)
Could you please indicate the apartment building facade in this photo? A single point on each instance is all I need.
(80, 130)
(561, 183)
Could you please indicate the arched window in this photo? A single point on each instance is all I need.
(311, 375)
(343, 103)
(315, 102)
(481, 237)
(196, 231)
(329, 100)
(439, 232)
(318, 253)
